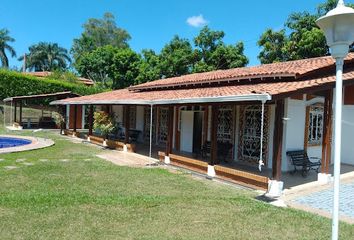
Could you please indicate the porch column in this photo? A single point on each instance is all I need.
(169, 134)
(90, 122)
(275, 186)
(15, 112)
(213, 139)
(126, 110)
(75, 119)
(278, 140)
(20, 113)
(326, 137)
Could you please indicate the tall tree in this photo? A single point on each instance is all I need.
(273, 45)
(125, 68)
(5, 39)
(47, 57)
(212, 53)
(176, 58)
(97, 65)
(149, 68)
(305, 39)
(98, 33)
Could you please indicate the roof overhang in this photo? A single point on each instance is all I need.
(40, 96)
(264, 97)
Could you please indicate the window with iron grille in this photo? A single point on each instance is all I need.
(315, 125)
(132, 117)
(225, 124)
(250, 133)
(163, 127)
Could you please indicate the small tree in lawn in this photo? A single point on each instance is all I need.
(103, 123)
(59, 120)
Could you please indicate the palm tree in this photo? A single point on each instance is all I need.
(47, 57)
(4, 46)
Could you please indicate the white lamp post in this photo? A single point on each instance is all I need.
(338, 27)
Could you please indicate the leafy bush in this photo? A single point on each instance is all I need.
(17, 84)
(103, 123)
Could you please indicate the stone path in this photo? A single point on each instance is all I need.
(126, 159)
(319, 199)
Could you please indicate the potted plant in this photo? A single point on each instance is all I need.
(59, 121)
(103, 123)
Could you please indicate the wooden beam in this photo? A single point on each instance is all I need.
(126, 109)
(20, 113)
(75, 118)
(90, 120)
(327, 132)
(205, 129)
(278, 140)
(213, 138)
(170, 130)
(15, 111)
(177, 132)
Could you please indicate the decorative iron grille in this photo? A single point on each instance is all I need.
(315, 122)
(250, 133)
(132, 116)
(225, 124)
(163, 125)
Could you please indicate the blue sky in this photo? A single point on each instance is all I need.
(150, 23)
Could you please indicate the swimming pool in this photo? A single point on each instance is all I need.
(8, 142)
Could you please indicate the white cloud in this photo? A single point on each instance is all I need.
(197, 21)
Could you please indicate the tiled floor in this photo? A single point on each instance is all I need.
(322, 200)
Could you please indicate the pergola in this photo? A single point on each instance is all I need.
(17, 101)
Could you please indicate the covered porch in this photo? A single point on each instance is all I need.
(237, 124)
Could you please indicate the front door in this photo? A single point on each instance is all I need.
(187, 122)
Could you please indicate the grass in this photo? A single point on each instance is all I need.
(81, 199)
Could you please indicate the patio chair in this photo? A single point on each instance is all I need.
(300, 159)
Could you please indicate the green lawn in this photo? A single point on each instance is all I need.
(81, 199)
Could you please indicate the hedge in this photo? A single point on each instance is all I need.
(17, 84)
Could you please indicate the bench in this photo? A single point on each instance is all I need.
(223, 149)
(300, 159)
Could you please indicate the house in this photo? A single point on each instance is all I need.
(228, 123)
(45, 74)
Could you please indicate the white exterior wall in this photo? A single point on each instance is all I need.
(294, 129)
(347, 135)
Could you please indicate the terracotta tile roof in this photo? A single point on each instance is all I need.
(294, 69)
(274, 89)
(44, 74)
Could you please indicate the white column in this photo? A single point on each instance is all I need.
(337, 145)
(151, 112)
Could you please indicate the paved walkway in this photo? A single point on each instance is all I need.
(318, 198)
(127, 159)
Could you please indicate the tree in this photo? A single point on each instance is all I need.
(47, 57)
(305, 39)
(97, 65)
(212, 53)
(5, 39)
(149, 67)
(176, 58)
(273, 45)
(98, 33)
(125, 68)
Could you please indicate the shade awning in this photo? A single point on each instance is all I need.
(40, 96)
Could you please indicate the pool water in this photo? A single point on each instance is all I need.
(7, 142)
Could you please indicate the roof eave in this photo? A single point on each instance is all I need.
(263, 97)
